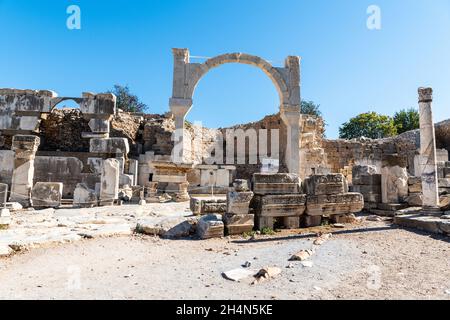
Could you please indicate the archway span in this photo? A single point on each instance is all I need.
(241, 58)
(233, 94)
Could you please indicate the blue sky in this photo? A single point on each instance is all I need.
(346, 68)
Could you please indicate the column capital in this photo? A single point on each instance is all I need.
(425, 94)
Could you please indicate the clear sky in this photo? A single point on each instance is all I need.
(346, 68)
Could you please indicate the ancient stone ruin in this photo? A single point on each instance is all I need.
(98, 155)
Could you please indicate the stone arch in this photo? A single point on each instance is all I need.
(241, 58)
(186, 76)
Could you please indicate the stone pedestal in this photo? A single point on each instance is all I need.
(171, 178)
(109, 187)
(25, 148)
(428, 151)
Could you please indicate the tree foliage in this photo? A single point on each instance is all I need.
(127, 101)
(370, 125)
(309, 107)
(406, 120)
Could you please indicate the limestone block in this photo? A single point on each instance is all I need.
(210, 226)
(328, 205)
(238, 202)
(110, 146)
(133, 169)
(238, 223)
(25, 146)
(394, 184)
(325, 184)
(279, 205)
(99, 125)
(205, 205)
(3, 194)
(47, 194)
(363, 170)
(415, 199)
(84, 197)
(208, 178)
(166, 227)
(240, 185)
(273, 184)
(109, 188)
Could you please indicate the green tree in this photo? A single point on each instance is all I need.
(406, 120)
(370, 125)
(309, 107)
(126, 100)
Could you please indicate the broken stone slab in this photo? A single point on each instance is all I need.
(239, 202)
(240, 185)
(273, 184)
(238, 274)
(210, 226)
(343, 218)
(47, 194)
(279, 205)
(328, 205)
(166, 227)
(125, 193)
(325, 184)
(206, 205)
(84, 197)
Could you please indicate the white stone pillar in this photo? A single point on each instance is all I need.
(109, 187)
(291, 117)
(428, 152)
(25, 148)
(181, 151)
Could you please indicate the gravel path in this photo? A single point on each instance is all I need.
(372, 260)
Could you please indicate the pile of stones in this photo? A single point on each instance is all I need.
(238, 219)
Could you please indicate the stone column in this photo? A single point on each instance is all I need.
(291, 117)
(181, 150)
(25, 147)
(428, 152)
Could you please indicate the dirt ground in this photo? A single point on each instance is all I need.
(372, 260)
